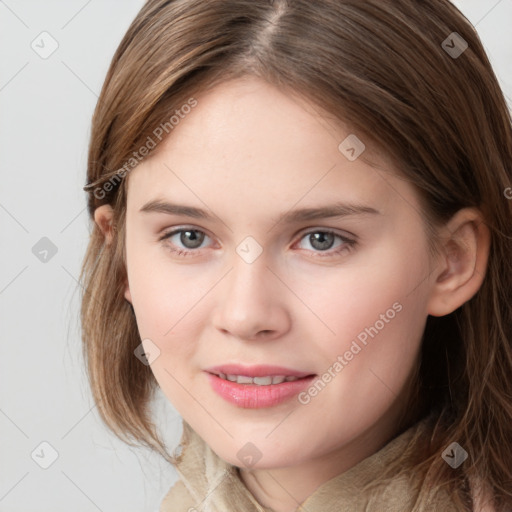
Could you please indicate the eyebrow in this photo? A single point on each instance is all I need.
(290, 217)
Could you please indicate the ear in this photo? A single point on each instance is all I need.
(103, 216)
(461, 263)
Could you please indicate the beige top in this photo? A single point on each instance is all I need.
(209, 484)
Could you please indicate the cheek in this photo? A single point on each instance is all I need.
(168, 308)
(378, 316)
(351, 298)
(157, 290)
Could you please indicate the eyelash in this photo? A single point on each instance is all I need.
(348, 244)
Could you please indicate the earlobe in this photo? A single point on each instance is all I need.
(462, 262)
(127, 293)
(103, 216)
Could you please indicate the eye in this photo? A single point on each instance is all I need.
(323, 240)
(184, 240)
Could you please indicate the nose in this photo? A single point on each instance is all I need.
(252, 302)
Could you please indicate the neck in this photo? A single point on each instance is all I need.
(284, 489)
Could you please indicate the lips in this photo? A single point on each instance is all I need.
(258, 381)
(256, 387)
(256, 371)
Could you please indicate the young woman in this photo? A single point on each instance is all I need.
(302, 235)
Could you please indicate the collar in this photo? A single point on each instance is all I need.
(209, 484)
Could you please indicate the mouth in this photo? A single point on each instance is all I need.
(255, 387)
(261, 375)
(258, 381)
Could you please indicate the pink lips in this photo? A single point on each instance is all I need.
(253, 396)
(255, 371)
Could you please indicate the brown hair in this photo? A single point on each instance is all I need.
(381, 67)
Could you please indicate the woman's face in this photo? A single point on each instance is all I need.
(295, 253)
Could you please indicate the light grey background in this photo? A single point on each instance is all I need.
(46, 106)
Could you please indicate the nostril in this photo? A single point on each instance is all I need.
(264, 334)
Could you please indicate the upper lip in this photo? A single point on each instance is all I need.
(256, 371)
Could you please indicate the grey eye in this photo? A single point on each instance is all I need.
(191, 238)
(321, 240)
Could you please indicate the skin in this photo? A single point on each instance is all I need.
(248, 153)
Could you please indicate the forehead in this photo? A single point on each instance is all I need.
(247, 141)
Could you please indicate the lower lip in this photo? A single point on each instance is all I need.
(252, 396)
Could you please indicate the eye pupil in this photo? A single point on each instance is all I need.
(321, 240)
(195, 237)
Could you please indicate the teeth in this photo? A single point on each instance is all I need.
(262, 381)
(259, 381)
